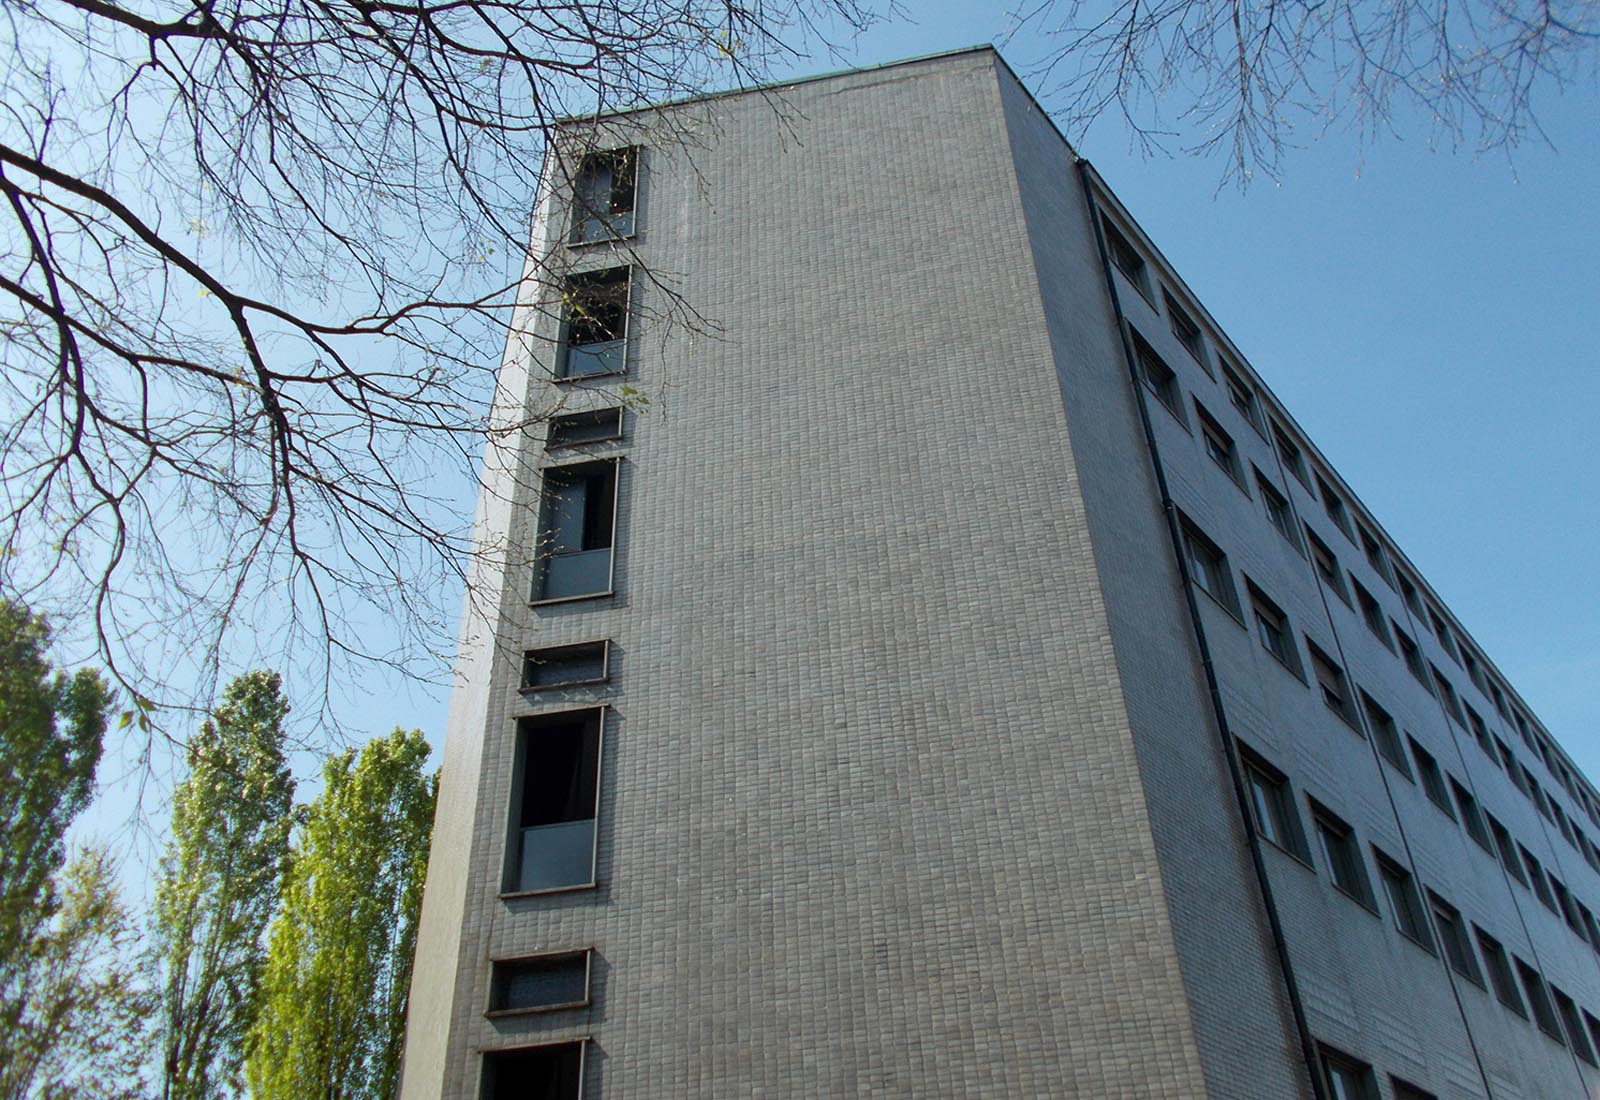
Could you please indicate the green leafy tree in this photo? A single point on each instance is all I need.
(69, 1009)
(51, 726)
(75, 1034)
(218, 887)
(333, 1000)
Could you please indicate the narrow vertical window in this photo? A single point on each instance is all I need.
(1219, 446)
(1332, 684)
(1279, 514)
(594, 324)
(1538, 994)
(1333, 504)
(1208, 568)
(603, 196)
(1243, 398)
(1453, 938)
(555, 802)
(1187, 332)
(1405, 905)
(1293, 458)
(1127, 259)
(1272, 628)
(1161, 379)
(1385, 735)
(1342, 855)
(1432, 778)
(1498, 964)
(1272, 805)
(576, 526)
(1327, 566)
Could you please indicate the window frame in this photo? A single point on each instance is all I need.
(1404, 901)
(488, 1088)
(1209, 567)
(1158, 376)
(624, 162)
(1269, 620)
(1326, 564)
(551, 443)
(1386, 735)
(1536, 991)
(496, 986)
(569, 302)
(1139, 276)
(1186, 330)
(551, 478)
(1341, 851)
(513, 862)
(1431, 778)
(529, 687)
(1291, 455)
(1274, 816)
(1215, 440)
(1502, 976)
(1336, 696)
(1450, 932)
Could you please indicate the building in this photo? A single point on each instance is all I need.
(963, 678)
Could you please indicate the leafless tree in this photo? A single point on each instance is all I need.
(1246, 78)
(257, 271)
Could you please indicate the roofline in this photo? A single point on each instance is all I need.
(705, 97)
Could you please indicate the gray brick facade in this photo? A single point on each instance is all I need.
(917, 774)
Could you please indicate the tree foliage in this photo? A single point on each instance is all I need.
(51, 727)
(74, 1033)
(334, 993)
(258, 267)
(218, 887)
(1247, 79)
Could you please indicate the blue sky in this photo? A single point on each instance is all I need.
(1429, 318)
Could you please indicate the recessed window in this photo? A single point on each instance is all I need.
(577, 522)
(1385, 735)
(1594, 1030)
(1523, 731)
(1453, 938)
(1508, 760)
(1481, 734)
(565, 666)
(1432, 778)
(1538, 995)
(1536, 879)
(555, 802)
(1498, 964)
(1332, 685)
(594, 324)
(1507, 849)
(1290, 454)
(1447, 695)
(1127, 259)
(1347, 1078)
(552, 1072)
(543, 983)
(1408, 592)
(1411, 655)
(1243, 398)
(1566, 906)
(603, 196)
(1208, 568)
(1333, 504)
(1187, 332)
(1219, 446)
(1342, 854)
(1272, 629)
(1376, 557)
(1405, 905)
(1272, 806)
(1372, 613)
(590, 426)
(1327, 565)
(1279, 514)
(1446, 639)
(1499, 698)
(1471, 816)
(1572, 1024)
(1474, 669)
(1161, 379)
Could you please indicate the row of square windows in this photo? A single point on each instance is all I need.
(1434, 926)
(1221, 447)
(1212, 574)
(1208, 565)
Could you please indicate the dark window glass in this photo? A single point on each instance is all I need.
(1187, 332)
(1498, 964)
(1272, 628)
(555, 801)
(575, 531)
(589, 426)
(603, 196)
(542, 1073)
(1327, 565)
(1272, 802)
(1385, 735)
(594, 324)
(1538, 994)
(540, 984)
(1453, 938)
(1405, 905)
(1333, 504)
(1293, 458)
(1219, 446)
(1159, 377)
(1342, 854)
(1208, 568)
(1127, 259)
(1331, 683)
(562, 666)
(1372, 613)
(1471, 817)
(1278, 511)
(1432, 778)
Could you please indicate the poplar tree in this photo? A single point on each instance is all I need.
(219, 884)
(333, 999)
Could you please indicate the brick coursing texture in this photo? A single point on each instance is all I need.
(911, 786)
